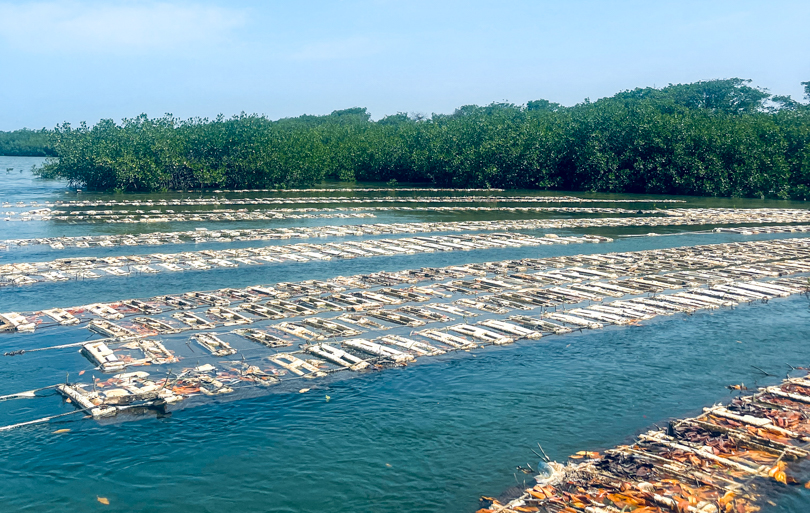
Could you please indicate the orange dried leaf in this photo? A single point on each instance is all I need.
(725, 499)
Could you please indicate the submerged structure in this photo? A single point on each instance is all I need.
(314, 329)
(192, 344)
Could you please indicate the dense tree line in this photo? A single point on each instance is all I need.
(714, 138)
(26, 143)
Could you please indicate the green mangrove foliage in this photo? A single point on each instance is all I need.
(714, 138)
(26, 143)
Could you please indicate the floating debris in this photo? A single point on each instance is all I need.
(152, 352)
(486, 336)
(131, 389)
(111, 330)
(375, 349)
(13, 321)
(193, 321)
(421, 348)
(657, 218)
(203, 379)
(713, 463)
(337, 356)
(717, 266)
(214, 344)
(298, 331)
(511, 329)
(157, 325)
(103, 356)
(297, 366)
(514, 299)
(218, 200)
(262, 337)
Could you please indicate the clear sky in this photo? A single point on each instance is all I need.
(86, 60)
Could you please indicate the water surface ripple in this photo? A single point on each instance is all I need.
(430, 437)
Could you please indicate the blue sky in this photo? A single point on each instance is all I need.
(86, 60)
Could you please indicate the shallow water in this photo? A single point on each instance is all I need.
(428, 437)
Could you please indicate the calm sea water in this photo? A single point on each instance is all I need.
(428, 437)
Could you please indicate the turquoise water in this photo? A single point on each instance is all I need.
(428, 437)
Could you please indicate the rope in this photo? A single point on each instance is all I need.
(39, 421)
